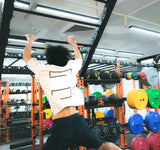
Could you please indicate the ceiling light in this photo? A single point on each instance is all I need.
(96, 55)
(128, 53)
(16, 49)
(21, 4)
(144, 30)
(12, 48)
(105, 50)
(123, 58)
(25, 41)
(65, 14)
(114, 57)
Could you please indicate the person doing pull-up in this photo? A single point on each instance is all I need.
(58, 80)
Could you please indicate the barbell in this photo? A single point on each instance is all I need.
(151, 122)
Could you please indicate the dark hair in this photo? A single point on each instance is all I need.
(57, 55)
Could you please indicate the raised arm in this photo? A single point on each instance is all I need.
(72, 41)
(27, 50)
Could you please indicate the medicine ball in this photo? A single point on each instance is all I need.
(105, 99)
(113, 98)
(109, 113)
(87, 75)
(87, 102)
(92, 100)
(115, 75)
(97, 94)
(99, 115)
(109, 93)
(104, 74)
(91, 74)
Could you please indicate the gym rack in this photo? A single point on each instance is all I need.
(6, 118)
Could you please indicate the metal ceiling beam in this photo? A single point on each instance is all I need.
(46, 40)
(145, 58)
(53, 17)
(102, 1)
(98, 34)
(13, 62)
(4, 30)
(22, 46)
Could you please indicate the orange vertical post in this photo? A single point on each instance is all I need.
(41, 138)
(80, 84)
(6, 115)
(81, 109)
(27, 105)
(33, 111)
(86, 93)
(120, 110)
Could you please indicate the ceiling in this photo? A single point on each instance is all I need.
(117, 35)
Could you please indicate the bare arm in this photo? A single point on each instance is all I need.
(72, 41)
(27, 49)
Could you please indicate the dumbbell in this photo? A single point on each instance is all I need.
(151, 122)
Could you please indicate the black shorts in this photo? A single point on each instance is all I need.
(69, 131)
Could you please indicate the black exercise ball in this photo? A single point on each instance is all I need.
(87, 102)
(105, 99)
(113, 98)
(91, 74)
(115, 75)
(92, 100)
(104, 74)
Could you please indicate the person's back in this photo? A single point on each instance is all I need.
(58, 80)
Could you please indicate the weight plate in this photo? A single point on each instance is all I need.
(154, 141)
(135, 124)
(48, 113)
(47, 123)
(141, 75)
(153, 97)
(152, 121)
(137, 99)
(134, 75)
(151, 76)
(141, 143)
(129, 75)
(141, 99)
(109, 113)
(132, 144)
(130, 100)
(125, 75)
